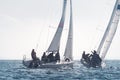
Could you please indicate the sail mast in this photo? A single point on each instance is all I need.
(110, 31)
(69, 45)
(56, 39)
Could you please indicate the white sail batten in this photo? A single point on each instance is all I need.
(68, 51)
(110, 31)
(54, 46)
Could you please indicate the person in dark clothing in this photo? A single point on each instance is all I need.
(83, 55)
(33, 55)
(86, 57)
(97, 56)
(44, 58)
(57, 57)
(35, 61)
(50, 57)
(95, 60)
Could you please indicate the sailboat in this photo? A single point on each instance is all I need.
(108, 35)
(55, 43)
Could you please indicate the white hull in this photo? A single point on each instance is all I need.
(50, 65)
(57, 65)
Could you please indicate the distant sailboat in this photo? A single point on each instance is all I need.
(108, 35)
(55, 43)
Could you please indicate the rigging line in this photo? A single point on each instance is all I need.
(94, 37)
(97, 41)
(39, 38)
(47, 38)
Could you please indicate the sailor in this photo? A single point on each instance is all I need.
(44, 58)
(50, 57)
(87, 58)
(57, 57)
(95, 60)
(97, 56)
(33, 55)
(83, 55)
(35, 61)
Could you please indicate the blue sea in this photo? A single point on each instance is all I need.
(14, 70)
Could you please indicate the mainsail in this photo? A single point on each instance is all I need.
(54, 46)
(68, 50)
(110, 31)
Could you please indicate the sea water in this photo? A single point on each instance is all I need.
(14, 70)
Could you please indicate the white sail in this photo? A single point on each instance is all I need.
(54, 46)
(110, 31)
(69, 49)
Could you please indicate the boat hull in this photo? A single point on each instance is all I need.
(57, 65)
(61, 64)
(88, 65)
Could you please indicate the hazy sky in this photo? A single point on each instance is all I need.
(24, 23)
